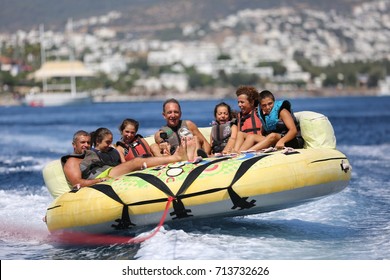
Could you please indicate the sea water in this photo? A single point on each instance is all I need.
(351, 225)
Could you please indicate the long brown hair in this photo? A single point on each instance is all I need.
(98, 135)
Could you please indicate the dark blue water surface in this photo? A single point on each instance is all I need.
(354, 224)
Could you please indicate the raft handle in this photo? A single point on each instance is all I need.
(345, 166)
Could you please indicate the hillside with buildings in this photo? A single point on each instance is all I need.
(290, 49)
(20, 14)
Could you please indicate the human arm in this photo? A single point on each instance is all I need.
(73, 174)
(211, 140)
(157, 137)
(287, 119)
(163, 146)
(121, 152)
(232, 140)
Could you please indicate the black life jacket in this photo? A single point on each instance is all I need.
(220, 133)
(91, 164)
(173, 134)
(111, 157)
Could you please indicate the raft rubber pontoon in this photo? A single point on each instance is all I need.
(226, 186)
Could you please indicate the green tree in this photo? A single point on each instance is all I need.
(223, 57)
(278, 67)
(7, 79)
(197, 79)
(237, 79)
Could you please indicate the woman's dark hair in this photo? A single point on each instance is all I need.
(126, 122)
(251, 92)
(266, 94)
(223, 104)
(98, 135)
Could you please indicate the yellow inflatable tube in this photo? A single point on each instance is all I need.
(223, 186)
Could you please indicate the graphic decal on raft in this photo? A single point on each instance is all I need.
(180, 211)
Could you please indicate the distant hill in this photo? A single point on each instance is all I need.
(25, 15)
(21, 14)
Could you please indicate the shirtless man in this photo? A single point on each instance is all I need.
(81, 142)
(77, 167)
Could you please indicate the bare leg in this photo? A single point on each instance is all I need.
(239, 141)
(139, 163)
(198, 143)
(250, 140)
(266, 142)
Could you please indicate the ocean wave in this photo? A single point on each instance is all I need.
(21, 215)
(22, 164)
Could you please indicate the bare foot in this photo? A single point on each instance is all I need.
(181, 153)
(191, 147)
(166, 151)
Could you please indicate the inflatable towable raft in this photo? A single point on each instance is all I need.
(234, 185)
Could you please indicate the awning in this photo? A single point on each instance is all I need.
(53, 69)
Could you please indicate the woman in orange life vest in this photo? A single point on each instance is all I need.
(280, 127)
(132, 145)
(248, 121)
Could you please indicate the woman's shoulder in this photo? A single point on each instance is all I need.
(285, 113)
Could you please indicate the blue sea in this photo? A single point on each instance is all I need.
(351, 225)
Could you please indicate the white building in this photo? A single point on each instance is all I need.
(175, 81)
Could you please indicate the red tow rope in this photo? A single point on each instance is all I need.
(77, 238)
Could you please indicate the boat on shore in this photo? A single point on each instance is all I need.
(56, 99)
(384, 86)
(59, 94)
(221, 186)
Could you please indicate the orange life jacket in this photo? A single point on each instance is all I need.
(136, 148)
(249, 123)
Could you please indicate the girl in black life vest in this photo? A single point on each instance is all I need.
(224, 130)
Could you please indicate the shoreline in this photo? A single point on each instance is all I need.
(10, 99)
